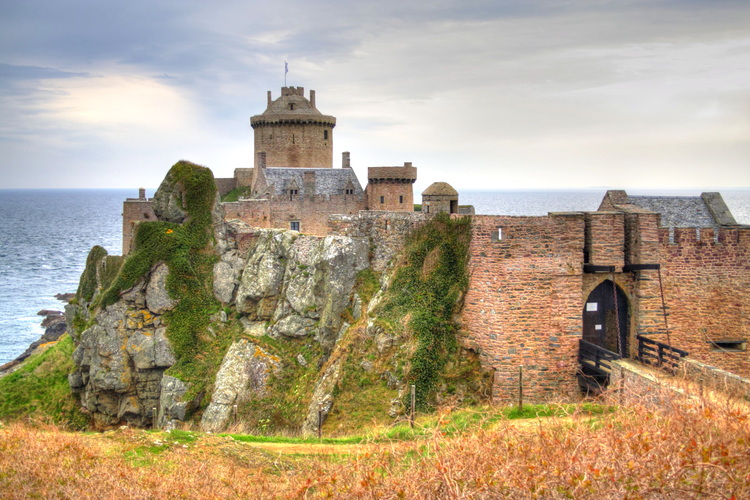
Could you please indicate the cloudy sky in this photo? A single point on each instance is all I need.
(484, 94)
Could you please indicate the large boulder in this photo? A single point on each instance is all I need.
(243, 375)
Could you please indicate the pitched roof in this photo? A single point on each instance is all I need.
(322, 181)
(706, 210)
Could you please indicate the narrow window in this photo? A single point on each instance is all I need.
(400, 199)
(291, 106)
(386, 225)
(728, 345)
(294, 225)
(382, 200)
(292, 138)
(349, 191)
(325, 135)
(292, 192)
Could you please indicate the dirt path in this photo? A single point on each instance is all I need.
(523, 425)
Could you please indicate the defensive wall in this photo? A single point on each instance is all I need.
(531, 278)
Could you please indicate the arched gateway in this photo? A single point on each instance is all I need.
(605, 335)
(605, 318)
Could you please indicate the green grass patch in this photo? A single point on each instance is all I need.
(236, 193)
(40, 390)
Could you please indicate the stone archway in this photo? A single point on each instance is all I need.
(605, 318)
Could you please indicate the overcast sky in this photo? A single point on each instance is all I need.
(495, 94)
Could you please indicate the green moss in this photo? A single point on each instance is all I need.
(186, 249)
(87, 285)
(367, 284)
(40, 390)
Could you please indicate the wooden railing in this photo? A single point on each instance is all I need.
(652, 352)
(595, 358)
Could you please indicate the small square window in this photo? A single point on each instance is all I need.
(294, 225)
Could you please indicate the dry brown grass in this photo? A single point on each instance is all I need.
(698, 449)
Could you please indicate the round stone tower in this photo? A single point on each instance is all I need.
(293, 133)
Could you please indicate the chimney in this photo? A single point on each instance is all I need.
(269, 97)
(141, 193)
(407, 164)
(262, 160)
(312, 98)
(345, 161)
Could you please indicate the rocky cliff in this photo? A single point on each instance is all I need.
(213, 321)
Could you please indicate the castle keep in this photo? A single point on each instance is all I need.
(542, 290)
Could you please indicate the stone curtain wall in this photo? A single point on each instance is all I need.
(256, 213)
(707, 291)
(386, 231)
(312, 212)
(523, 306)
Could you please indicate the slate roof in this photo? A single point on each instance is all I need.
(327, 181)
(706, 210)
(677, 211)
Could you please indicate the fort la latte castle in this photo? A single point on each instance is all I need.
(563, 295)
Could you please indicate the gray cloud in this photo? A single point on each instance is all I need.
(523, 91)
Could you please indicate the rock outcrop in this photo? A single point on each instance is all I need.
(281, 284)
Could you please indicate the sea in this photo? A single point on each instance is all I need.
(45, 236)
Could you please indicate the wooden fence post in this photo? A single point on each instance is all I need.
(413, 405)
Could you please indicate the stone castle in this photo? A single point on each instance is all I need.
(293, 184)
(640, 276)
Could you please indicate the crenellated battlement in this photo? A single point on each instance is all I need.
(704, 236)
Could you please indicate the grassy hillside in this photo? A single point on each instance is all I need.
(39, 390)
(696, 450)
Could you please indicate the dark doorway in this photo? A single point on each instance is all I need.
(605, 318)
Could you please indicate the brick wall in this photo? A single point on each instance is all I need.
(707, 291)
(605, 238)
(524, 302)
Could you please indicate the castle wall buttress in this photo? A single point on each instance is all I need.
(523, 305)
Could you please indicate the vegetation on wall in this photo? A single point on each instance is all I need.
(425, 294)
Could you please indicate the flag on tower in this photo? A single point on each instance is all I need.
(286, 67)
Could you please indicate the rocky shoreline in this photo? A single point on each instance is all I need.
(54, 325)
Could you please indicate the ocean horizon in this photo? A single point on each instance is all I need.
(46, 234)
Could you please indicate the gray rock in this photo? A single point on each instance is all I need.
(243, 375)
(322, 398)
(171, 406)
(301, 360)
(158, 300)
(226, 276)
(292, 326)
(169, 201)
(253, 328)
